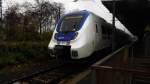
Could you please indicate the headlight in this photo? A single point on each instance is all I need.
(51, 52)
(56, 35)
(74, 53)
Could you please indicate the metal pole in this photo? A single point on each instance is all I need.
(59, 13)
(1, 12)
(114, 28)
(40, 19)
(1, 22)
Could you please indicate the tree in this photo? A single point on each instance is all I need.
(31, 22)
(13, 21)
(49, 13)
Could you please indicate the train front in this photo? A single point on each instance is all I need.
(69, 40)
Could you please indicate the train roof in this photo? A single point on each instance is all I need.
(98, 9)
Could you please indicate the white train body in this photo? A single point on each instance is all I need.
(86, 40)
(83, 32)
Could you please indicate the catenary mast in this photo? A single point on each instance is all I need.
(0, 14)
(1, 10)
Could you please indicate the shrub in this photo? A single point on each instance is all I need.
(21, 51)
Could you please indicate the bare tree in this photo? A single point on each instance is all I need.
(49, 13)
(32, 21)
(12, 21)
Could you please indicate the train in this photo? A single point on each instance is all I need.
(79, 34)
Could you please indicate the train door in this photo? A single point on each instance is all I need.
(98, 36)
(106, 36)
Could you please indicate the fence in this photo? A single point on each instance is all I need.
(122, 67)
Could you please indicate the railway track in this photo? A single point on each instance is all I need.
(53, 76)
(54, 73)
(32, 73)
(50, 75)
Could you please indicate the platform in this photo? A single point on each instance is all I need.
(123, 67)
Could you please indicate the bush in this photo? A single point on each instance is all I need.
(21, 51)
(46, 36)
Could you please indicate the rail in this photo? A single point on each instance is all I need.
(31, 73)
(122, 67)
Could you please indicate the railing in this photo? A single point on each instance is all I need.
(121, 67)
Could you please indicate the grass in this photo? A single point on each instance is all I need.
(11, 58)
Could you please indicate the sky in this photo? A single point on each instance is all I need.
(11, 2)
(63, 1)
(8, 3)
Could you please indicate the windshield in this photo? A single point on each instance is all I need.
(70, 23)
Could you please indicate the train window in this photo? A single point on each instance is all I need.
(106, 30)
(96, 28)
(70, 23)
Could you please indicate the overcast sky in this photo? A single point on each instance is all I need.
(7, 3)
(10, 2)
